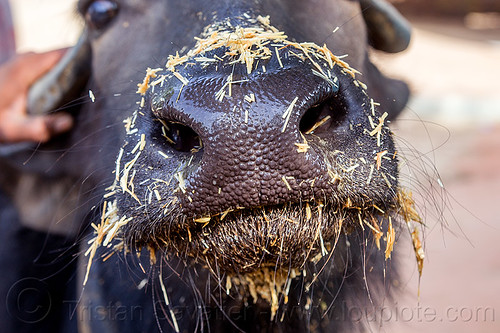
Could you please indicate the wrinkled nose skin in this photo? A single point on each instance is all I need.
(248, 149)
(249, 156)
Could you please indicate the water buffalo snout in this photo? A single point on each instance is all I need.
(258, 147)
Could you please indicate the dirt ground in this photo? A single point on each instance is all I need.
(454, 118)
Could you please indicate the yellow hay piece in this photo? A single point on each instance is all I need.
(419, 251)
(319, 123)
(304, 146)
(407, 206)
(378, 129)
(143, 87)
(266, 284)
(391, 238)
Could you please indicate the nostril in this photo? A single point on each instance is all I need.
(321, 116)
(180, 137)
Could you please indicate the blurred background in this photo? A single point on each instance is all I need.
(452, 123)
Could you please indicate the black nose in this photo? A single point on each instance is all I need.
(261, 146)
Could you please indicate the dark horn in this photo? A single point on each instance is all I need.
(64, 82)
(388, 30)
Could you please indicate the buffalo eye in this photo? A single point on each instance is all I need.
(100, 13)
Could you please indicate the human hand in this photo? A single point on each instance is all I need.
(16, 76)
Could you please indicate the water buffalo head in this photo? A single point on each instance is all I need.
(245, 137)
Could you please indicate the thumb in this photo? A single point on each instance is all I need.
(34, 65)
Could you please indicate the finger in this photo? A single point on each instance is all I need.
(34, 65)
(23, 70)
(17, 127)
(31, 129)
(42, 128)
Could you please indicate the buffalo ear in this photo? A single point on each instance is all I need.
(388, 30)
(392, 94)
